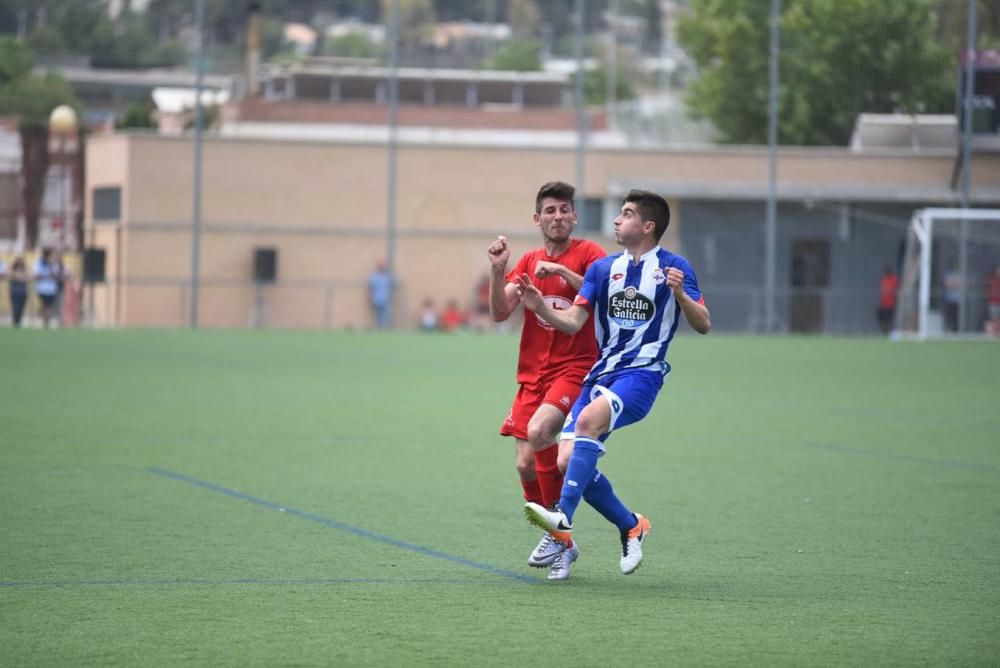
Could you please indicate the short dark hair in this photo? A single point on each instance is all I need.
(651, 207)
(556, 190)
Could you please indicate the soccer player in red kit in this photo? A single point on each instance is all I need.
(551, 365)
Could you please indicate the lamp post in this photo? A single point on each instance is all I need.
(62, 124)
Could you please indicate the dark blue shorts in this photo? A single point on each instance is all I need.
(630, 393)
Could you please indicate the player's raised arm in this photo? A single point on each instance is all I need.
(503, 295)
(544, 269)
(695, 313)
(568, 321)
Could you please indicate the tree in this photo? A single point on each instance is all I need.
(649, 10)
(120, 44)
(839, 58)
(46, 40)
(523, 17)
(32, 99)
(416, 21)
(351, 45)
(139, 114)
(518, 55)
(954, 23)
(76, 20)
(595, 85)
(15, 61)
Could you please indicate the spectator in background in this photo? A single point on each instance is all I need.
(45, 273)
(60, 276)
(480, 317)
(3, 272)
(18, 286)
(453, 317)
(952, 298)
(428, 319)
(888, 286)
(380, 284)
(993, 303)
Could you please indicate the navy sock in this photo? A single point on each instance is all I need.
(579, 473)
(601, 495)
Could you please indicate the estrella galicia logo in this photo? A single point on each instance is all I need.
(630, 308)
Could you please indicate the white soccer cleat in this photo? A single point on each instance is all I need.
(632, 545)
(552, 521)
(560, 565)
(545, 553)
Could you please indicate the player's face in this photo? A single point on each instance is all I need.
(556, 219)
(629, 226)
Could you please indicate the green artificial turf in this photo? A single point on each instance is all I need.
(289, 499)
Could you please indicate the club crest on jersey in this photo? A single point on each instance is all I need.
(556, 303)
(658, 276)
(630, 308)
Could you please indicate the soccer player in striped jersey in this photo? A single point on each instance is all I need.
(551, 365)
(635, 300)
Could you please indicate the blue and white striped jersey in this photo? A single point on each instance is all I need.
(635, 313)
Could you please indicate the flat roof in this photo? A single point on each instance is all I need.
(417, 73)
(139, 78)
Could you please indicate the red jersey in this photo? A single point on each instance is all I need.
(993, 290)
(887, 291)
(544, 350)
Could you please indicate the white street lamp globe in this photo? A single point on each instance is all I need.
(62, 120)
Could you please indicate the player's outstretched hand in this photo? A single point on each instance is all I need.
(529, 294)
(499, 253)
(675, 280)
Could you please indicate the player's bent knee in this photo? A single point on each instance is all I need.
(539, 435)
(543, 427)
(589, 427)
(594, 420)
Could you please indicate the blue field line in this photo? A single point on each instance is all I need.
(150, 582)
(334, 524)
(895, 456)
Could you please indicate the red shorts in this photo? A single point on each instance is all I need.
(560, 392)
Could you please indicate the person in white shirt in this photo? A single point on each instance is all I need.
(46, 275)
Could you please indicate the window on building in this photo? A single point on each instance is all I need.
(107, 203)
(591, 216)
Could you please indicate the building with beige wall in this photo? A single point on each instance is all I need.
(321, 204)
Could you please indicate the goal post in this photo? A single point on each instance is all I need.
(950, 256)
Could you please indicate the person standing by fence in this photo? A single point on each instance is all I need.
(46, 275)
(888, 286)
(18, 287)
(380, 284)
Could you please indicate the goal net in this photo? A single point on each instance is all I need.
(950, 275)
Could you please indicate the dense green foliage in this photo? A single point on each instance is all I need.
(29, 97)
(839, 58)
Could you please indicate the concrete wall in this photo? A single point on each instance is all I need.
(323, 206)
